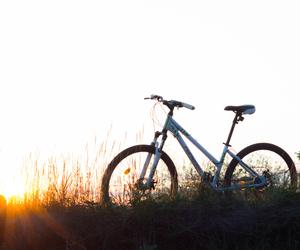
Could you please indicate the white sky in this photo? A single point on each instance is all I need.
(69, 69)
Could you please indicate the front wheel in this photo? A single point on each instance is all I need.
(121, 180)
(265, 159)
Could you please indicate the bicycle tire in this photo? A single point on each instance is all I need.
(287, 163)
(106, 196)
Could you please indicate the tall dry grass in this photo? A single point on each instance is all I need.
(72, 179)
(69, 178)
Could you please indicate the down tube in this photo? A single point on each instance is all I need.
(189, 154)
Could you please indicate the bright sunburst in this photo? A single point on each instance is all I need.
(12, 185)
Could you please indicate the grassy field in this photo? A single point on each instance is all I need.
(61, 210)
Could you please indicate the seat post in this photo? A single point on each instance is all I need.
(234, 122)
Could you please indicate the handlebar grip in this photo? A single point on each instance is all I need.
(188, 106)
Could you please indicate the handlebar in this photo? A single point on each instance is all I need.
(170, 104)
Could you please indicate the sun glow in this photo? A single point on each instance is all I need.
(12, 186)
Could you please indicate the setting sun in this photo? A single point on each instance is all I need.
(12, 186)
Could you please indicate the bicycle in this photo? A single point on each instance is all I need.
(146, 170)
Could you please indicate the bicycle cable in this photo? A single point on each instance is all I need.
(154, 116)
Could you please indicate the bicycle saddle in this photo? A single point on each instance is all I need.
(243, 109)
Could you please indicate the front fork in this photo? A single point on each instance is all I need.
(157, 154)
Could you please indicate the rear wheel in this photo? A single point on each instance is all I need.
(120, 182)
(265, 159)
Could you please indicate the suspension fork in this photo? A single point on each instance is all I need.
(157, 154)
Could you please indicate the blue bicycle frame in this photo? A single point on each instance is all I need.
(177, 131)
